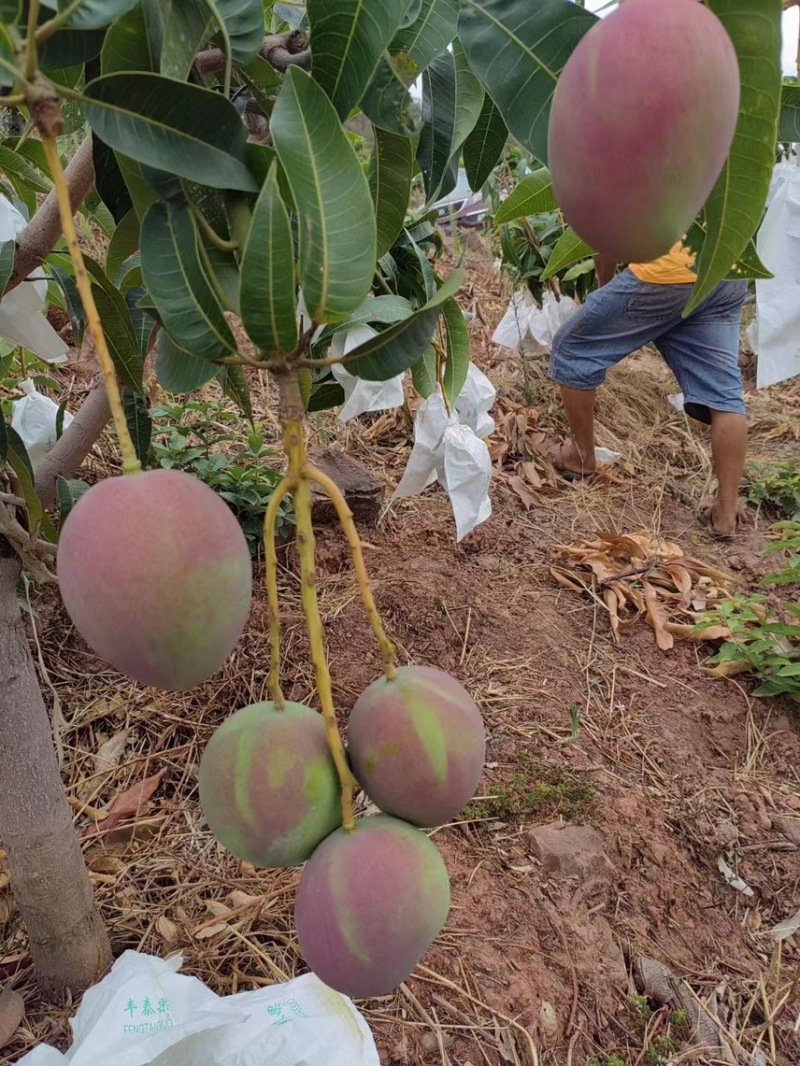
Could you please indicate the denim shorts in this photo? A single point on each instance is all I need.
(702, 351)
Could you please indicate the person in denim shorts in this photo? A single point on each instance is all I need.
(644, 304)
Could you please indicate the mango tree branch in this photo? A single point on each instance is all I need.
(280, 51)
(78, 439)
(41, 235)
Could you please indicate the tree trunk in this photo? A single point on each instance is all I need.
(68, 942)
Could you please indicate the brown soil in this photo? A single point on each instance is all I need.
(673, 769)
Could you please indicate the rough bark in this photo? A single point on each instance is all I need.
(66, 456)
(37, 241)
(68, 943)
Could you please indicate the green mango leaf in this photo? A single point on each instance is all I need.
(117, 326)
(140, 424)
(431, 33)
(350, 38)
(326, 395)
(456, 367)
(435, 150)
(568, 250)
(124, 243)
(470, 98)
(269, 293)
(11, 12)
(400, 347)
(789, 126)
(187, 27)
(222, 270)
(532, 196)
(413, 11)
(60, 267)
(484, 146)
(178, 370)
(21, 172)
(143, 320)
(8, 249)
(245, 27)
(377, 310)
(69, 492)
(3, 440)
(518, 50)
(110, 181)
(184, 129)
(236, 387)
(735, 208)
(127, 46)
(292, 13)
(388, 104)
(336, 220)
(391, 171)
(69, 48)
(154, 13)
(423, 374)
(18, 459)
(176, 280)
(95, 14)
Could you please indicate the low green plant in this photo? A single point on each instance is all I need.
(777, 488)
(536, 789)
(193, 437)
(765, 634)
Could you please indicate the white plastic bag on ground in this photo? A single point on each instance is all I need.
(21, 318)
(775, 337)
(475, 401)
(363, 396)
(144, 1013)
(447, 451)
(35, 417)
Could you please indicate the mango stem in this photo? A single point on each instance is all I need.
(329, 486)
(130, 461)
(295, 444)
(286, 486)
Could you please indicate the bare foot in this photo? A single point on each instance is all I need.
(569, 462)
(723, 519)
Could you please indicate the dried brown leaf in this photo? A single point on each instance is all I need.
(131, 802)
(12, 1011)
(166, 929)
(657, 617)
(519, 487)
(206, 932)
(613, 604)
(566, 581)
(531, 474)
(726, 669)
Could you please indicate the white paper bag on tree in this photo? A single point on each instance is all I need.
(513, 327)
(545, 321)
(475, 401)
(144, 1013)
(21, 318)
(363, 396)
(447, 451)
(35, 418)
(775, 335)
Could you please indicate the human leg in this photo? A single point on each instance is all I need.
(616, 320)
(703, 353)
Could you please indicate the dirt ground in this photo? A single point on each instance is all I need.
(541, 960)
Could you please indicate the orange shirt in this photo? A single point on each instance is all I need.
(674, 268)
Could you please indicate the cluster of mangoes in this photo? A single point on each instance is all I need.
(371, 899)
(155, 573)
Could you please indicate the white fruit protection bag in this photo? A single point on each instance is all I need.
(450, 449)
(21, 318)
(145, 1013)
(775, 335)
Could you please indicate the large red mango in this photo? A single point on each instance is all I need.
(643, 118)
(156, 575)
(268, 785)
(417, 744)
(369, 905)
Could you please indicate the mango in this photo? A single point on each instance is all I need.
(369, 905)
(642, 122)
(155, 574)
(268, 785)
(417, 745)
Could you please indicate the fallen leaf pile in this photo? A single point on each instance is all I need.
(640, 575)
